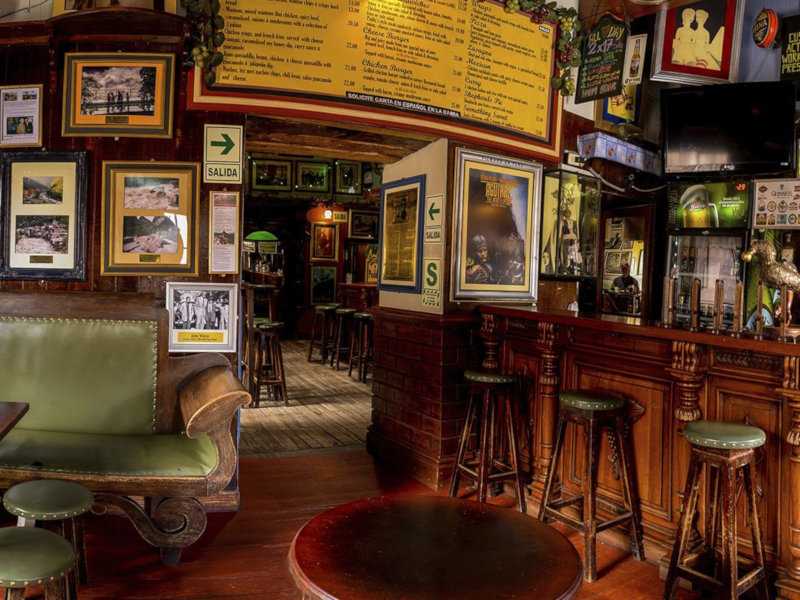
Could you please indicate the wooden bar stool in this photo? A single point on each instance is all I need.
(361, 345)
(250, 335)
(269, 362)
(728, 449)
(486, 467)
(342, 332)
(595, 412)
(321, 331)
(52, 500)
(30, 557)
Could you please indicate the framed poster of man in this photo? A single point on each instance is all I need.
(496, 227)
(698, 43)
(400, 260)
(324, 241)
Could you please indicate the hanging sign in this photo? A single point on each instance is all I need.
(634, 60)
(790, 48)
(602, 60)
(765, 28)
(222, 158)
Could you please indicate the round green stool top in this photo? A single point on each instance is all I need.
(345, 311)
(48, 500)
(258, 321)
(32, 556)
(270, 325)
(325, 307)
(479, 377)
(724, 436)
(362, 315)
(590, 401)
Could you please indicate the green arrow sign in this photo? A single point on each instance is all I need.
(432, 211)
(227, 144)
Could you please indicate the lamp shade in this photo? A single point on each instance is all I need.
(262, 236)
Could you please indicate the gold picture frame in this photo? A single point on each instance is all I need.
(324, 242)
(118, 95)
(150, 218)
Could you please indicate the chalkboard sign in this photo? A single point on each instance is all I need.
(602, 60)
(790, 48)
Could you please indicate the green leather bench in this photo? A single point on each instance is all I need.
(109, 408)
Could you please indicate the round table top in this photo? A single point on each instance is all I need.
(431, 547)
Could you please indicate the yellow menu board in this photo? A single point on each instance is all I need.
(463, 59)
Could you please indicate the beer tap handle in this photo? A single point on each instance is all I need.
(694, 305)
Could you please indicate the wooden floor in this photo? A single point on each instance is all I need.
(327, 409)
(243, 556)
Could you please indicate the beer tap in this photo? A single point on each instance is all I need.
(759, 335)
(738, 325)
(694, 306)
(719, 297)
(670, 317)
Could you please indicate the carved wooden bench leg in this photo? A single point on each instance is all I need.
(172, 525)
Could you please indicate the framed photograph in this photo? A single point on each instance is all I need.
(371, 264)
(271, 175)
(698, 43)
(149, 218)
(223, 232)
(313, 177)
(363, 224)
(202, 316)
(118, 94)
(614, 259)
(496, 228)
(324, 241)
(20, 116)
(44, 215)
(323, 284)
(348, 177)
(612, 114)
(401, 235)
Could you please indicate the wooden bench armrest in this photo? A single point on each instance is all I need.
(209, 400)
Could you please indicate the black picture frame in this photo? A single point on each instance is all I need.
(78, 271)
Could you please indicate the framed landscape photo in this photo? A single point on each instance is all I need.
(20, 116)
(118, 94)
(324, 241)
(271, 175)
(313, 177)
(149, 218)
(323, 284)
(202, 316)
(496, 228)
(698, 43)
(401, 226)
(44, 215)
(348, 177)
(363, 224)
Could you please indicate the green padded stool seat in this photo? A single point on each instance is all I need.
(34, 557)
(48, 500)
(724, 436)
(588, 401)
(269, 325)
(363, 315)
(260, 321)
(493, 378)
(325, 307)
(345, 311)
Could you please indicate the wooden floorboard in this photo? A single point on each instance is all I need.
(327, 409)
(243, 556)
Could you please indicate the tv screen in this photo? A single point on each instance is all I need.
(709, 205)
(738, 128)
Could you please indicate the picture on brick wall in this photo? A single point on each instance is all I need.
(496, 227)
(202, 317)
(44, 215)
(118, 94)
(149, 218)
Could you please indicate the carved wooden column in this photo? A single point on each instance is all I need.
(688, 370)
(788, 585)
(547, 392)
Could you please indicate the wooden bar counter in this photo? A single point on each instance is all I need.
(670, 376)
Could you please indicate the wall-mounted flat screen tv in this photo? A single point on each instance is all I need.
(737, 128)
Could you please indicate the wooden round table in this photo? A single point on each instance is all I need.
(431, 547)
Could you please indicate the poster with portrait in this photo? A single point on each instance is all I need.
(496, 228)
(400, 260)
(698, 43)
(202, 316)
(324, 241)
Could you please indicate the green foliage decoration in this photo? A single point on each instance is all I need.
(207, 35)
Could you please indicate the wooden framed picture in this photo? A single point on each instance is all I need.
(614, 113)
(20, 116)
(363, 224)
(118, 94)
(223, 232)
(496, 228)
(323, 284)
(698, 43)
(348, 177)
(202, 316)
(149, 218)
(401, 235)
(44, 215)
(324, 241)
(271, 175)
(313, 177)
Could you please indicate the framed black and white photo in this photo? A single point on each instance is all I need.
(202, 316)
(44, 215)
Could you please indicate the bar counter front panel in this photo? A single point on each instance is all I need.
(670, 377)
